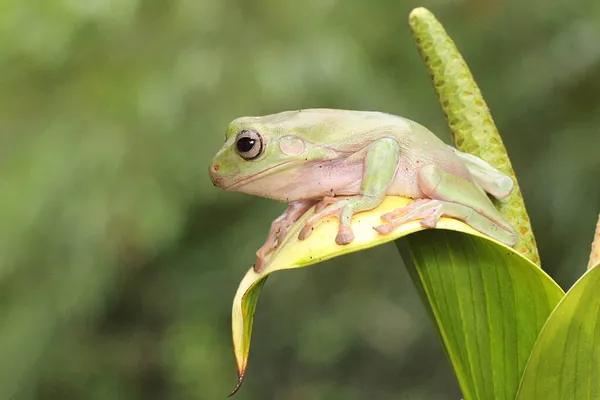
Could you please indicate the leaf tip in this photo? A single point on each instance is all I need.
(240, 381)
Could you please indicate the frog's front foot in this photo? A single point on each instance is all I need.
(429, 211)
(342, 209)
(343, 237)
(279, 229)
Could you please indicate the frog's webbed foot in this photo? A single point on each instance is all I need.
(279, 229)
(455, 197)
(338, 208)
(343, 209)
(380, 165)
(393, 215)
(427, 210)
(276, 234)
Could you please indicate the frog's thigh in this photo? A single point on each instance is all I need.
(440, 185)
(465, 201)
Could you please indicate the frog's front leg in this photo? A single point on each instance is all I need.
(380, 163)
(279, 228)
(454, 197)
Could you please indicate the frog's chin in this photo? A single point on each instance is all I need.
(238, 185)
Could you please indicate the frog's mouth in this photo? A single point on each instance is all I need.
(248, 179)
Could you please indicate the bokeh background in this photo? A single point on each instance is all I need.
(119, 259)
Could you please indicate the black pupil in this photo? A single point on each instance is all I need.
(245, 144)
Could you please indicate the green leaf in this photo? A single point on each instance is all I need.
(485, 291)
(488, 303)
(565, 361)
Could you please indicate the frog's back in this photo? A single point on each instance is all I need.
(354, 128)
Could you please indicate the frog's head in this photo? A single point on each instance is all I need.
(257, 153)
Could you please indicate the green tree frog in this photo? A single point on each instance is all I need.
(311, 157)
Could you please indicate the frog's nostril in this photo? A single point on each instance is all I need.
(214, 175)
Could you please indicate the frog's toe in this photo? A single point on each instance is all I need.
(327, 201)
(390, 216)
(266, 248)
(385, 229)
(398, 212)
(331, 209)
(428, 211)
(431, 220)
(344, 236)
(305, 232)
(260, 262)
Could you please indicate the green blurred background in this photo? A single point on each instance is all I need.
(119, 259)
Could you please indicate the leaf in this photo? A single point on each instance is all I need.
(321, 246)
(469, 118)
(488, 302)
(565, 361)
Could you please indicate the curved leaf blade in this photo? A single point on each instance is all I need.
(488, 303)
(565, 361)
(244, 306)
(321, 246)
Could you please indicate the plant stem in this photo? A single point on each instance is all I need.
(469, 117)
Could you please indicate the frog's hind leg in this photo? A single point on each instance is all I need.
(489, 178)
(451, 196)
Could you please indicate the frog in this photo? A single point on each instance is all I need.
(344, 162)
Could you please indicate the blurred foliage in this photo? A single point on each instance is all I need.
(119, 260)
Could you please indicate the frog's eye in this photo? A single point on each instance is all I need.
(249, 144)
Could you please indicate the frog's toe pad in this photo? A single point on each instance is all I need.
(259, 264)
(384, 229)
(305, 232)
(431, 220)
(344, 236)
(388, 217)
